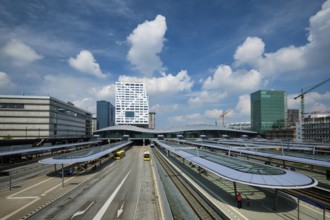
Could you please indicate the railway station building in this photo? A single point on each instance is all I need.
(26, 117)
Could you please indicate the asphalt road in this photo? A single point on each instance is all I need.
(122, 190)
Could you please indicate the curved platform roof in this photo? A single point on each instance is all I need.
(171, 130)
(323, 161)
(242, 171)
(85, 155)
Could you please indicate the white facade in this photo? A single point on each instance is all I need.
(132, 106)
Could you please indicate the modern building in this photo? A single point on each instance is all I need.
(292, 117)
(42, 116)
(152, 120)
(316, 128)
(105, 113)
(94, 124)
(132, 106)
(268, 110)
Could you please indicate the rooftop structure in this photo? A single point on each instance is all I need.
(132, 106)
(117, 132)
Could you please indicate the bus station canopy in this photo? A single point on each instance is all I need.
(85, 155)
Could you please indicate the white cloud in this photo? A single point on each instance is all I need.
(5, 83)
(146, 43)
(225, 79)
(165, 85)
(314, 101)
(313, 55)
(194, 118)
(243, 106)
(213, 114)
(163, 109)
(206, 97)
(317, 50)
(107, 91)
(250, 51)
(21, 53)
(86, 63)
(87, 104)
(61, 87)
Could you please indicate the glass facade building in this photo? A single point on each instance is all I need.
(132, 106)
(105, 112)
(268, 110)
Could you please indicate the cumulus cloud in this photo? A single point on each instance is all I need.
(224, 77)
(105, 92)
(206, 97)
(86, 63)
(86, 104)
(243, 105)
(250, 51)
(287, 59)
(5, 83)
(146, 43)
(21, 53)
(314, 101)
(166, 84)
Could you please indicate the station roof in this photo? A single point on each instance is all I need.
(242, 171)
(170, 130)
(316, 160)
(85, 155)
(5, 151)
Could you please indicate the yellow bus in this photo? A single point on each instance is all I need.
(119, 154)
(146, 155)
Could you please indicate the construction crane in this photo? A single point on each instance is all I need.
(302, 101)
(223, 116)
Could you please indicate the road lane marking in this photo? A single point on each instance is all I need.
(82, 211)
(35, 198)
(106, 205)
(120, 210)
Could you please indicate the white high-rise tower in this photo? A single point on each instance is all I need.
(132, 106)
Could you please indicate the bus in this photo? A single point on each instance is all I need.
(119, 154)
(146, 156)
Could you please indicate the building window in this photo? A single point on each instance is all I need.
(11, 105)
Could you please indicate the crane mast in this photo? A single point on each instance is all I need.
(302, 98)
(223, 116)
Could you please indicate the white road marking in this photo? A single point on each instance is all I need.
(82, 211)
(106, 205)
(35, 198)
(120, 210)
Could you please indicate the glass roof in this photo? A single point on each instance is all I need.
(237, 164)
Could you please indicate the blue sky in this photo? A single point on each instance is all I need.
(197, 58)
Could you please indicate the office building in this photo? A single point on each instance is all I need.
(292, 117)
(316, 127)
(105, 113)
(132, 106)
(268, 110)
(42, 116)
(152, 120)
